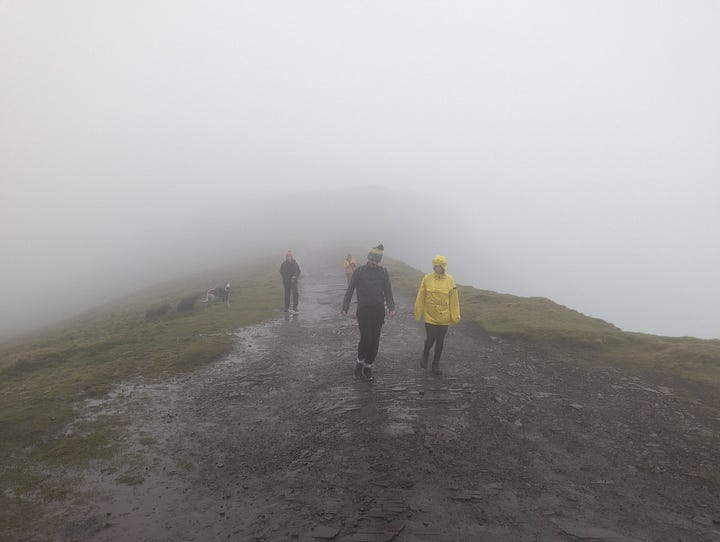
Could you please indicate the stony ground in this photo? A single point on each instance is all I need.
(279, 442)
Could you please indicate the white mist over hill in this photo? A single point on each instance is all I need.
(79, 265)
(564, 149)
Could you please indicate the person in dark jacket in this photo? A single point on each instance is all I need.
(290, 272)
(372, 283)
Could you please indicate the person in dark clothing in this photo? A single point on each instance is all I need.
(290, 272)
(372, 283)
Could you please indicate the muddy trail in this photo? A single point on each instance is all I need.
(280, 442)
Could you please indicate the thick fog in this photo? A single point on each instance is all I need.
(562, 149)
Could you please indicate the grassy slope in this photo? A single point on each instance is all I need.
(42, 378)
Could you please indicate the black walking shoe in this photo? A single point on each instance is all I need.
(358, 374)
(367, 372)
(436, 369)
(424, 362)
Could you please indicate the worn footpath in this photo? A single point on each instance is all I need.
(279, 442)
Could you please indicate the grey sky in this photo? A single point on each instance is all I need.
(572, 148)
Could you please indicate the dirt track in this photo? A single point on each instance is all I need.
(279, 442)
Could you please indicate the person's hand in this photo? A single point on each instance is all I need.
(391, 313)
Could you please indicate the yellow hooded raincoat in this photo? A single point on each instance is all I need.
(437, 297)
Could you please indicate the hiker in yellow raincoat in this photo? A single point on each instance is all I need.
(437, 300)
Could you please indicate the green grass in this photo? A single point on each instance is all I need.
(43, 378)
(551, 326)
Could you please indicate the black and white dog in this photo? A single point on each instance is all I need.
(221, 293)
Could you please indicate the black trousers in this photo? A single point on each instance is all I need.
(291, 286)
(434, 334)
(370, 321)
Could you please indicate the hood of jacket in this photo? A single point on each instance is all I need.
(441, 261)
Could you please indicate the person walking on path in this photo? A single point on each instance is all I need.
(438, 301)
(372, 283)
(290, 272)
(349, 264)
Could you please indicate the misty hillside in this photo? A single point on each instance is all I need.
(102, 261)
(540, 321)
(158, 334)
(562, 156)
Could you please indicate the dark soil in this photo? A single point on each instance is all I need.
(279, 442)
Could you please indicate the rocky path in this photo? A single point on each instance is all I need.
(279, 442)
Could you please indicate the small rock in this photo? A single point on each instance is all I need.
(322, 531)
(587, 532)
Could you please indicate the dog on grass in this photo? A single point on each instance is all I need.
(221, 293)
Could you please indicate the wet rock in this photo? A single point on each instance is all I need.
(468, 495)
(585, 532)
(378, 533)
(703, 520)
(322, 531)
(545, 394)
(493, 487)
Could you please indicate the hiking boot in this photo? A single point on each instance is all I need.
(367, 372)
